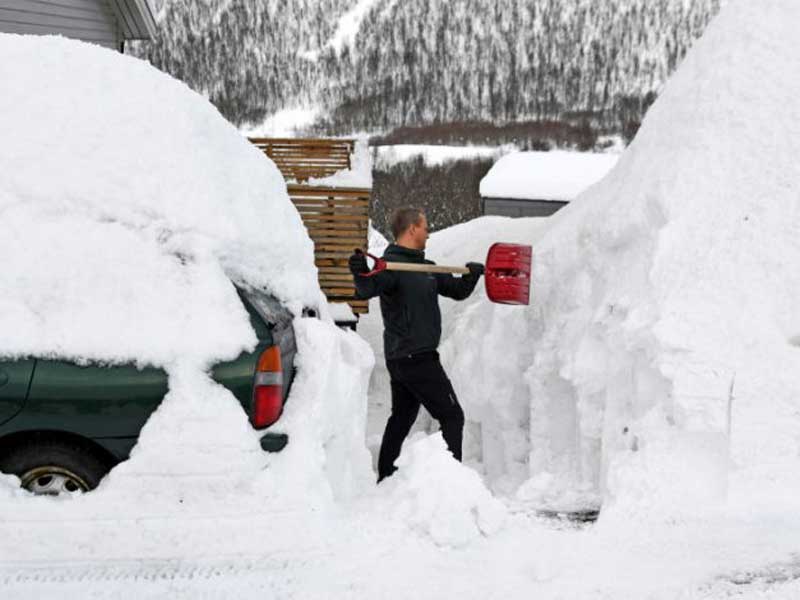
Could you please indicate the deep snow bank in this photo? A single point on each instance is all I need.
(666, 294)
(128, 203)
(199, 486)
(129, 207)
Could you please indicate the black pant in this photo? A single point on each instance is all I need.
(419, 379)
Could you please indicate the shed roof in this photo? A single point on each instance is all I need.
(555, 175)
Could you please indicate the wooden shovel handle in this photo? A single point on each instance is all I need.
(423, 268)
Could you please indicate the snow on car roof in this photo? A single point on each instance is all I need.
(556, 175)
(129, 204)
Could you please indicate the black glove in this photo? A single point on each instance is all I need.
(475, 269)
(358, 263)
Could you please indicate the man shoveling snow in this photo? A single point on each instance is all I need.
(412, 330)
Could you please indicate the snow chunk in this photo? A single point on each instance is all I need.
(555, 175)
(129, 206)
(440, 497)
(341, 312)
(10, 488)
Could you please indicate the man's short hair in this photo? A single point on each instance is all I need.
(403, 218)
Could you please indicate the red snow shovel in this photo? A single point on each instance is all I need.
(508, 271)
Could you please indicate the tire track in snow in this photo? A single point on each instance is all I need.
(24, 573)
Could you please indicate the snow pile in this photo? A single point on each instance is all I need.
(439, 497)
(132, 207)
(556, 175)
(359, 175)
(129, 206)
(326, 416)
(198, 485)
(664, 298)
(325, 461)
(10, 488)
(175, 438)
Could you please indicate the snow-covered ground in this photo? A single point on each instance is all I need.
(284, 123)
(385, 157)
(656, 370)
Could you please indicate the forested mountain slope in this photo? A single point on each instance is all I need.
(414, 62)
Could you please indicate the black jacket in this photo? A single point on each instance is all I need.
(409, 302)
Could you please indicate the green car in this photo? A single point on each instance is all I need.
(64, 426)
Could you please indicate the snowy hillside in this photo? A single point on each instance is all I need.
(378, 64)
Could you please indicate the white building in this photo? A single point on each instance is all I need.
(106, 22)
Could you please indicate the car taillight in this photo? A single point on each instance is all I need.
(268, 388)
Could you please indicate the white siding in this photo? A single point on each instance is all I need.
(88, 20)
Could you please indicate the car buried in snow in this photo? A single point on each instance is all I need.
(63, 426)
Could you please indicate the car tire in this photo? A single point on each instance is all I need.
(54, 467)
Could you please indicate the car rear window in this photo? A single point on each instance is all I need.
(269, 308)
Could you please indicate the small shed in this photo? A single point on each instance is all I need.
(105, 22)
(537, 184)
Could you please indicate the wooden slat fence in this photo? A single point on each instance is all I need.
(301, 159)
(337, 220)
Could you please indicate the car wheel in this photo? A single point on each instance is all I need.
(54, 467)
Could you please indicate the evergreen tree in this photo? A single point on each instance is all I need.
(417, 62)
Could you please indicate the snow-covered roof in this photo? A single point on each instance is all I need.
(555, 175)
(359, 175)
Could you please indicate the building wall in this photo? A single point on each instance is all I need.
(510, 207)
(88, 20)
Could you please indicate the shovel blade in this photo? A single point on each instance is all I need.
(508, 273)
